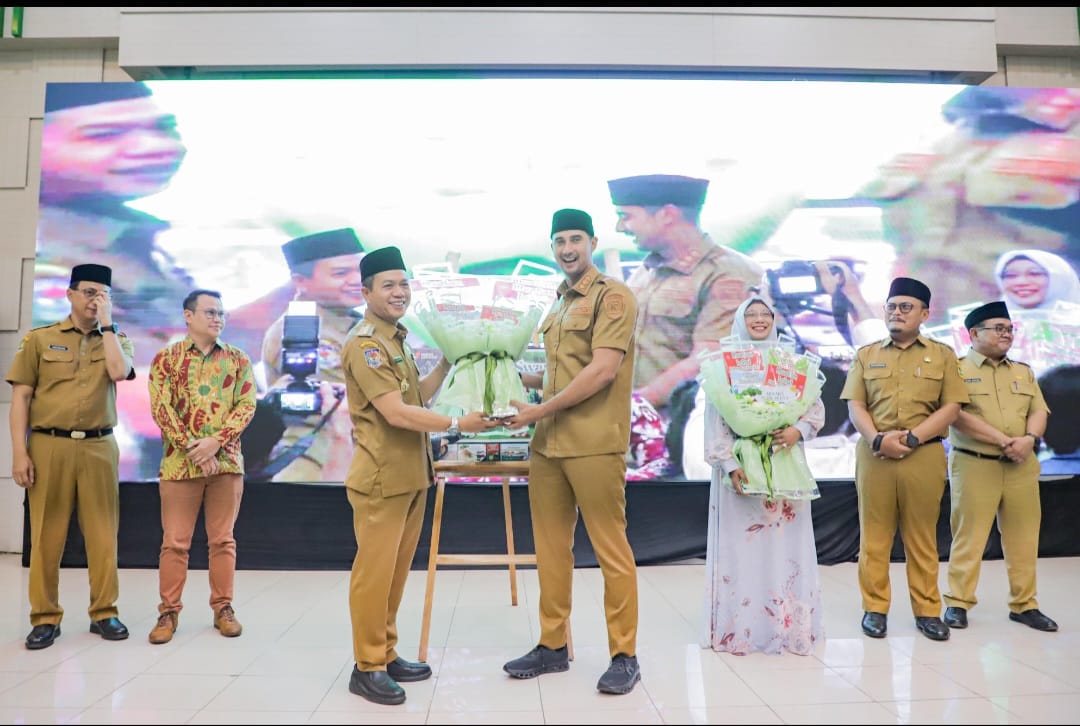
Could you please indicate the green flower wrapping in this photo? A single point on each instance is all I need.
(482, 324)
(774, 400)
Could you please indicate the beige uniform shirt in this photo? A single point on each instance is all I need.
(376, 360)
(66, 368)
(901, 387)
(598, 312)
(1002, 395)
(687, 301)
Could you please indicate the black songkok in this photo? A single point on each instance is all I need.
(100, 274)
(990, 310)
(381, 260)
(910, 287)
(320, 246)
(566, 219)
(656, 190)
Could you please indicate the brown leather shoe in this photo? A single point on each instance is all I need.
(226, 622)
(165, 628)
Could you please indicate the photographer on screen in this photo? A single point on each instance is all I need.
(796, 285)
(316, 445)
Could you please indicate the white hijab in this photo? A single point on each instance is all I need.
(1063, 281)
(739, 330)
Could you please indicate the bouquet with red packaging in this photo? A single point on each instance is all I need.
(759, 387)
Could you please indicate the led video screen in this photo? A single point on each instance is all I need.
(829, 188)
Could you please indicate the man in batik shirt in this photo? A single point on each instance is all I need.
(202, 396)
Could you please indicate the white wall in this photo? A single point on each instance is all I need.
(996, 46)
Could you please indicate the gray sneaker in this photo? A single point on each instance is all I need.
(537, 661)
(621, 675)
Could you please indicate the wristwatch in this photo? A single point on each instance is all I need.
(911, 441)
(876, 446)
(1038, 441)
(453, 432)
(102, 328)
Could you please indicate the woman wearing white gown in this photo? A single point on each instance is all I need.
(762, 590)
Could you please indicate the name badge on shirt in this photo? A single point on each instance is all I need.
(58, 347)
(972, 380)
(879, 365)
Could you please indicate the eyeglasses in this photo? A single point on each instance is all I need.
(1000, 329)
(215, 314)
(765, 315)
(904, 307)
(91, 292)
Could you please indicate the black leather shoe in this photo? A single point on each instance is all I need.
(42, 636)
(875, 624)
(109, 629)
(620, 676)
(932, 628)
(955, 617)
(403, 671)
(1032, 618)
(376, 686)
(539, 660)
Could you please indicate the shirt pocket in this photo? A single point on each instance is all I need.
(674, 302)
(928, 383)
(58, 365)
(1023, 395)
(880, 383)
(576, 323)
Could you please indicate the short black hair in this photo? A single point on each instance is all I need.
(193, 298)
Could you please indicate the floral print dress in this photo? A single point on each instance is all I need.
(762, 589)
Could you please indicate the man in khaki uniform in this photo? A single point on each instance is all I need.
(390, 472)
(994, 470)
(325, 269)
(578, 454)
(63, 410)
(902, 394)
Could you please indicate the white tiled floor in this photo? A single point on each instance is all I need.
(293, 661)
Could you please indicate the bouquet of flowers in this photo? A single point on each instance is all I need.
(482, 324)
(758, 387)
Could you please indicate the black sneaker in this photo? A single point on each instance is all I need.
(621, 675)
(539, 660)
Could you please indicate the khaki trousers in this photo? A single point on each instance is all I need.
(907, 492)
(982, 489)
(558, 488)
(387, 530)
(219, 498)
(73, 474)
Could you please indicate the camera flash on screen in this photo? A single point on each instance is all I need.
(303, 307)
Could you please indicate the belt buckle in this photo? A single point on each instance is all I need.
(78, 434)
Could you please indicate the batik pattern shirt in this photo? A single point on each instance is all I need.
(193, 396)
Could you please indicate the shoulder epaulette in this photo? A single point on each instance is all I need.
(46, 325)
(365, 329)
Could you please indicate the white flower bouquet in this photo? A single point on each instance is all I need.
(758, 387)
(482, 324)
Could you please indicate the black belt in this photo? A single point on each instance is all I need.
(992, 457)
(76, 434)
(933, 440)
